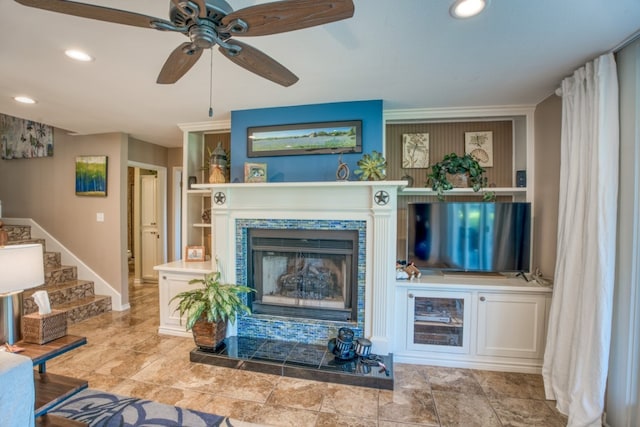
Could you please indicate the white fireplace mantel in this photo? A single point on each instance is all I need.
(374, 202)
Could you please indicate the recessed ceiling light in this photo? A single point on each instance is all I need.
(467, 8)
(24, 99)
(78, 55)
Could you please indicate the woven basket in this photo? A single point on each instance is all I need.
(208, 335)
(42, 328)
(458, 180)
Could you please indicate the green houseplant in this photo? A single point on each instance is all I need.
(443, 175)
(371, 167)
(208, 307)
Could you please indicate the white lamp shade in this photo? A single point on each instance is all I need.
(21, 267)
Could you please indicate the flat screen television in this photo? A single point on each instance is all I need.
(470, 236)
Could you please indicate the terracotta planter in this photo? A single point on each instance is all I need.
(208, 335)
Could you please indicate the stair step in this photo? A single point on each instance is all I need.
(60, 274)
(85, 308)
(61, 293)
(52, 259)
(18, 232)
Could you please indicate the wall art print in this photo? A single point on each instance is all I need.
(415, 150)
(91, 176)
(25, 139)
(480, 146)
(305, 138)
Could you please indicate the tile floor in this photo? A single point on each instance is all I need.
(125, 355)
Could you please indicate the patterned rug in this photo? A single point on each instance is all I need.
(101, 409)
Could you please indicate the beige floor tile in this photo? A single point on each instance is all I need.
(526, 412)
(284, 417)
(351, 401)
(453, 379)
(508, 384)
(332, 420)
(407, 406)
(299, 394)
(464, 410)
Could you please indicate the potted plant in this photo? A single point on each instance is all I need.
(208, 307)
(371, 167)
(458, 171)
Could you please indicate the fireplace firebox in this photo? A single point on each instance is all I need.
(303, 273)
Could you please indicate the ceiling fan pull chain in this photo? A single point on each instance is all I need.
(211, 84)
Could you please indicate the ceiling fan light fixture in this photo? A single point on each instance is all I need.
(462, 9)
(24, 99)
(78, 55)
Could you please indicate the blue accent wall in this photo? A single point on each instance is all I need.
(312, 167)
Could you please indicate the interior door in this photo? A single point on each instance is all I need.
(150, 241)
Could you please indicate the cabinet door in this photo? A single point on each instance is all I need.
(171, 285)
(438, 321)
(511, 325)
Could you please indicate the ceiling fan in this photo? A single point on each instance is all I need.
(214, 22)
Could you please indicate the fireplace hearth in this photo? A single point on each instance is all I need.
(301, 273)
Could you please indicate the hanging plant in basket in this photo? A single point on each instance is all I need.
(458, 171)
(208, 307)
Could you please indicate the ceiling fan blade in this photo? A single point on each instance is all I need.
(259, 63)
(93, 12)
(287, 15)
(179, 62)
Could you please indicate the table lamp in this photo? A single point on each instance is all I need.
(21, 267)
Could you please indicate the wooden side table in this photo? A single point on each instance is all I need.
(51, 389)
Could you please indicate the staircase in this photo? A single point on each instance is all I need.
(66, 293)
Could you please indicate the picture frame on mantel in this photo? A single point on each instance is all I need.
(194, 254)
(305, 138)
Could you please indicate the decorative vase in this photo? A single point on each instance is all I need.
(217, 165)
(209, 335)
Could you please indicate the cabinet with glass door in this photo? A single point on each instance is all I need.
(438, 321)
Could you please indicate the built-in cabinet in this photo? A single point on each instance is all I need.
(174, 278)
(483, 323)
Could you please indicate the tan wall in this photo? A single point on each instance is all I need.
(548, 122)
(44, 190)
(145, 152)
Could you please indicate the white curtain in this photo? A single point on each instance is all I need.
(577, 351)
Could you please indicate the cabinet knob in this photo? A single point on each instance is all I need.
(483, 299)
(410, 295)
(164, 277)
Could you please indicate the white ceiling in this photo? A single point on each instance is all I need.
(409, 53)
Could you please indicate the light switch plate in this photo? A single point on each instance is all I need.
(100, 217)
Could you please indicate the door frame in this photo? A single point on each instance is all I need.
(162, 214)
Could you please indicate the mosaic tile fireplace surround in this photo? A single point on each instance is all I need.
(366, 207)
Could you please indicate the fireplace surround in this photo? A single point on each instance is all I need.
(366, 210)
(303, 273)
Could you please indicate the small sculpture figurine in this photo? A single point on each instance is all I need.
(406, 270)
(342, 174)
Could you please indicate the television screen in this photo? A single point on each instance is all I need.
(470, 236)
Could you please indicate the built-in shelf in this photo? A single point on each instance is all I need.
(199, 191)
(502, 191)
(202, 225)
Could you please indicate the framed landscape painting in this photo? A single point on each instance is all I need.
(306, 138)
(91, 176)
